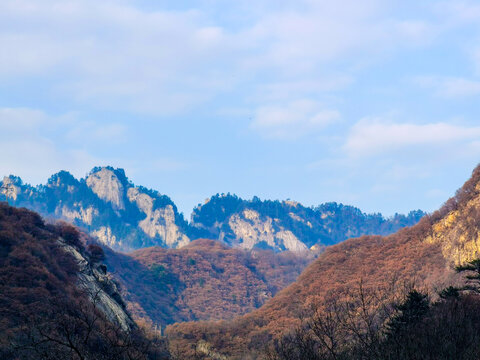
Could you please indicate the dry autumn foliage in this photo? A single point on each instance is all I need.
(374, 261)
(44, 314)
(204, 280)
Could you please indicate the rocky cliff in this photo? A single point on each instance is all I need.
(107, 205)
(288, 225)
(56, 295)
(127, 217)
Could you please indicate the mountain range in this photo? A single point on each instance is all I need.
(125, 217)
(62, 294)
(424, 256)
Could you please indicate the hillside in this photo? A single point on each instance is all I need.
(204, 280)
(125, 217)
(57, 300)
(425, 253)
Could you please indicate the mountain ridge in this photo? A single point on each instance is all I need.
(127, 217)
(425, 254)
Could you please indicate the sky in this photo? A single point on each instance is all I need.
(372, 103)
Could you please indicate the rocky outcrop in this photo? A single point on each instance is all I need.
(250, 230)
(107, 205)
(106, 237)
(101, 288)
(77, 212)
(158, 222)
(106, 184)
(10, 188)
(288, 225)
(458, 231)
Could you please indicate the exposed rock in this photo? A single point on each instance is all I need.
(161, 222)
(105, 236)
(9, 188)
(250, 230)
(158, 222)
(459, 232)
(95, 282)
(84, 215)
(288, 225)
(108, 187)
(143, 201)
(126, 217)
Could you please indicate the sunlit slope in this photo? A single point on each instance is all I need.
(424, 254)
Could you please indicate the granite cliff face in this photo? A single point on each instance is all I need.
(94, 279)
(107, 205)
(288, 225)
(108, 187)
(251, 230)
(127, 217)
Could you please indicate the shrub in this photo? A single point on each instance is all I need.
(96, 253)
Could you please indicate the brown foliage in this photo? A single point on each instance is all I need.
(96, 253)
(43, 314)
(374, 260)
(202, 281)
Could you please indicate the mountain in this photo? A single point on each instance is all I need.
(126, 217)
(425, 254)
(107, 205)
(288, 225)
(204, 280)
(57, 299)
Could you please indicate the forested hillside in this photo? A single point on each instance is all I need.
(422, 257)
(57, 300)
(204, 280)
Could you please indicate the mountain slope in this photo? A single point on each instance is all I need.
(56, 299)
(425, 253)
(204, 280)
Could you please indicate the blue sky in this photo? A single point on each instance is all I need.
(365, 102)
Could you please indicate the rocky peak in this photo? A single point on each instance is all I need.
(11, 187)
(105, 183)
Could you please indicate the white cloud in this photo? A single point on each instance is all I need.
(33, 143)
(112, 54)
(89, 131)
(284, 90)
(33, 123)
(293, 120)
(21, 119)
(460, 11)
(450, 87)
(34, 160)
(371, 136)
